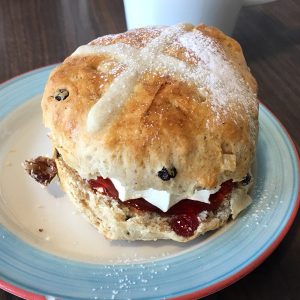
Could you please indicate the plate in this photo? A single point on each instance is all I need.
(48, 249)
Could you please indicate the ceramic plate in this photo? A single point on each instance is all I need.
(47, 248)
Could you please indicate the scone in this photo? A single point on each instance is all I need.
(154, 131)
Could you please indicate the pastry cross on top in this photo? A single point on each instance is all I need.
(211, 80)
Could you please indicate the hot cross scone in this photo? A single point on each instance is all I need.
(154, 131)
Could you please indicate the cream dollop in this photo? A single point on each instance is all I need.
(161, 199)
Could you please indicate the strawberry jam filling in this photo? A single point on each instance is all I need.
(183, 215)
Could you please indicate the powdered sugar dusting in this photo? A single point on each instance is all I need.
(225, 85)
(119, 282)
(214, 76)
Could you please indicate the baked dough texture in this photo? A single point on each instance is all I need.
(179, 96)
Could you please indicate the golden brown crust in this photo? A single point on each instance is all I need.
(165, 121)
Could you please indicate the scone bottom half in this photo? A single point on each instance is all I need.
(168, 110)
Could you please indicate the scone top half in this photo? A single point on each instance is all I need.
(178, 98)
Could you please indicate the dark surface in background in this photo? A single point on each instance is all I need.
(37, 33)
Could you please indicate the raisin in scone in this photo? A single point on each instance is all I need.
(155, 131)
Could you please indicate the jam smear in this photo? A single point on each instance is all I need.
(143, 205)
(184, 225)
(184, 215)
(107, 186)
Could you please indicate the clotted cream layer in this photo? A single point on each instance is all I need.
(161, 199)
